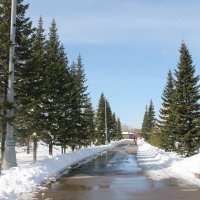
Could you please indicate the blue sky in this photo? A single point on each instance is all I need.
(127, 46)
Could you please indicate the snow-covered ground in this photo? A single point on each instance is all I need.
(16, 182)
(42, 153)
(160, 164)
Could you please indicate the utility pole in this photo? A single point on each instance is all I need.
(106, 128)
(10, 154)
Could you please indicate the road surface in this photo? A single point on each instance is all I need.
(115, 175)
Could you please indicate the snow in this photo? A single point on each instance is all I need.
(42, 153)
(126, 132)
(16, 182)
(160, 164)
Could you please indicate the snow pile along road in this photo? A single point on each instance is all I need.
(160, 164)
(25, 179)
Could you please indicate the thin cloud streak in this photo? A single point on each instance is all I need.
(123, 22)
(125, 44)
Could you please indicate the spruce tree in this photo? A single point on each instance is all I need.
(149, 121)
(114, 134)
(100, 121)
(30, 87)
(166, 122)
(81, 102)
(65, 133)
(65, 99)
(89, 116)
(23, 51)
(186, 104)
(74, 110)
(53, 99)
(119, 130)
(145, 131)
(110, 122)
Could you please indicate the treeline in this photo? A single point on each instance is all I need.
(52, 101)
(178, 126)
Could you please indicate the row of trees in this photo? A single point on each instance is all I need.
(51, 97)
(178, 128)
(149, 121)
(112, 122)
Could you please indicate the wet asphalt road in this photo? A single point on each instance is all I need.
(115, 175)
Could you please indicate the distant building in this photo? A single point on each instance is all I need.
(127, 135)
(130, 134)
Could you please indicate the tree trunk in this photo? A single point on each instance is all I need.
(50, 148)
(28, 146)
(73, 147)
(34, 149)
(4, 124)
(3, 140)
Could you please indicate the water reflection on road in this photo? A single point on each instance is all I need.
(115, 175)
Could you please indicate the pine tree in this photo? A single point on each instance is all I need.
(80, 103)
(30, 88)
(110, 122)
(53, 100)
(149, 121)
(100, 121)
(65, 132)
(186, 104)
(83, 101)
(166, 122)
(72, 140)
(23, 44)
(89, 116)
(114, 133)
(119, 130)
(145, 131)
(65, 98)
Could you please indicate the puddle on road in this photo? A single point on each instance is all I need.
(115, 175)
(126, 187)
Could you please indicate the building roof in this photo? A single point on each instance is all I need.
(126, 133)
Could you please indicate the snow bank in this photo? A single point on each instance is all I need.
(160, 164)
(42, 153)
(27, 178)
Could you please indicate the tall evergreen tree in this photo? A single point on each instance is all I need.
(73, 133)
(23, 43)
(100, 121)
(119, 129)
(144, 123)
(114, 130)
(80, 103)
(89, 116)
(82, 99)
(149, 121)
(106, 117)
(110, 122)
(186, 104)
(166, 122)
(53, 100)
(30, 87)
(65, 135)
